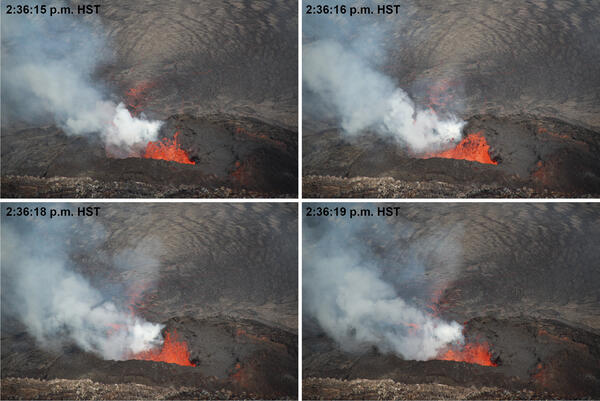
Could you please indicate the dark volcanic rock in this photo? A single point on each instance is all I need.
(240, 154)
(243, 356)
(542, 356)
(546, 156)
(385, 389)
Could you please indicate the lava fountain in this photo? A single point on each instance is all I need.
(473, 148)
(477, 353)
(168, 150)
(173, 351)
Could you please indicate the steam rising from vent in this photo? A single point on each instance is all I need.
(48, 67)
(41, 288)
(347, 292)
(344, 77)
(358, 307)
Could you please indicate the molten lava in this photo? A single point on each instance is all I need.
(172, 351)
(136, 97)
(167, 150)
(470, 353)
(474, 148)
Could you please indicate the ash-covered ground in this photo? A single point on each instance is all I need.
(522, 73)
(222, 73)
(521, 278)
(225, 282)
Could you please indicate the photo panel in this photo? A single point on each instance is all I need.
(450, 301)
(450, 99)
(150, 99)
(149, 301)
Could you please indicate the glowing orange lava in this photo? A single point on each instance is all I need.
(167, 150)
(172, 351)
(136, 97)
(470, 353)
(474, 148)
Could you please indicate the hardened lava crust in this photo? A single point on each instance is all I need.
(536, 157)
(233, 157)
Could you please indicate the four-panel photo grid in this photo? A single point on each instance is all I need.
(287, 200)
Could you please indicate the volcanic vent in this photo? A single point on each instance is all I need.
(453, 301)
(110, 301)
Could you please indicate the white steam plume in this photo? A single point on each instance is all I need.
(364, 98)
(356, 307)
(59, 305)
(47, 70)
(346, 292)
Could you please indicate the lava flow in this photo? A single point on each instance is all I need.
(473, 148)
(470, 353)
(172, 351)
(167, 150)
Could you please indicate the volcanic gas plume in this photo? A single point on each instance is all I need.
(356, 307)
(60, 306)
(48, 73)
(350, 295)
(344, 77)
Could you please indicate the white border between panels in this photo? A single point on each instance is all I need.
(299, 200)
